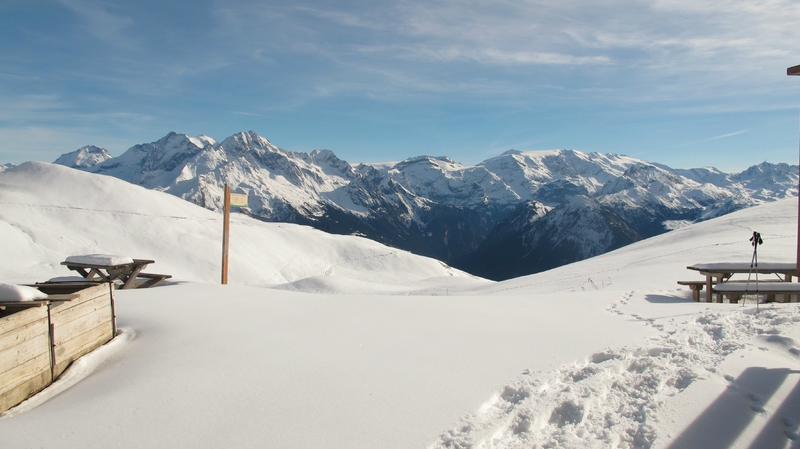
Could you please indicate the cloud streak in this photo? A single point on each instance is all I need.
(709, 139)
(572, 64)
(108, 27)
(637, 48)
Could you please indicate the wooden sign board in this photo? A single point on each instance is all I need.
(239, 199)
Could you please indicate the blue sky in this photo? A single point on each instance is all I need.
(687, 83)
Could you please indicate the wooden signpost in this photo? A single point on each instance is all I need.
(796, 71)
(235, 200)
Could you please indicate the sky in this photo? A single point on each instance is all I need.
(686, 83)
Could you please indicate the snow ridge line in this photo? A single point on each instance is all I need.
(107, 211)
(613, 398)
(349, 260)
(123, 212)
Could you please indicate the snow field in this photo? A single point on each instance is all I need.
(358, 345)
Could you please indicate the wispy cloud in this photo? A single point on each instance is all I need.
(249, 114)
(46, 143)
(43, 109)
(126, 64)
(640, 50)
(722, 136)
(105, 25)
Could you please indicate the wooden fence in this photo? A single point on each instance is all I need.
(40, 339)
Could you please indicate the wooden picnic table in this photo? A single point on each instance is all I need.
(722, 271)
(125, 273)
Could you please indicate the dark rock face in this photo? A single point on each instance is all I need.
(530, 241)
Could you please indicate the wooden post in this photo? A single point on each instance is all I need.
(226, 226)
(796, 71)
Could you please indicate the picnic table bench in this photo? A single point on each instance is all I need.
(126, 271)
(734, 290)
(695, 287)
(720, 273)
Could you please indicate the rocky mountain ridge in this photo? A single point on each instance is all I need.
(562, 205)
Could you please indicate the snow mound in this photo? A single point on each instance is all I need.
(16, 293)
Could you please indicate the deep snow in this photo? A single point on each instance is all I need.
(361, 346)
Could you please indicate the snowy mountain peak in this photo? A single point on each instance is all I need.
(249, 141)
(437, 207)
(435, 162)
(765, 170)
(202, 140)
(85, 157)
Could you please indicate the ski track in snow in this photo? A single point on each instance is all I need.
(128, 212)
(613, 398)
(351, 260)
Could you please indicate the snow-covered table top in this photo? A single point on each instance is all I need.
(744, 267)
(100, 259)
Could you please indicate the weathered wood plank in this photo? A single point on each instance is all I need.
(26, 350)
(16, 394)
(97, 336)
(75, 348)
(21, 318)
(78, 291)
(82, 296)
(63, 288)
(67, 331)
(82, 320)
(695, 287)
(150, 279)
(20, 334)
(24, 355)
(131, 277)
(62, 315)
(24, 372)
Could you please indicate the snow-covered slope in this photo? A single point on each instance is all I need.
(49, 212)
(607, 352)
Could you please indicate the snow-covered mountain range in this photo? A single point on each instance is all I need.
(527, 210)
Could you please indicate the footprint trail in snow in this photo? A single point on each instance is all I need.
(613, 398)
